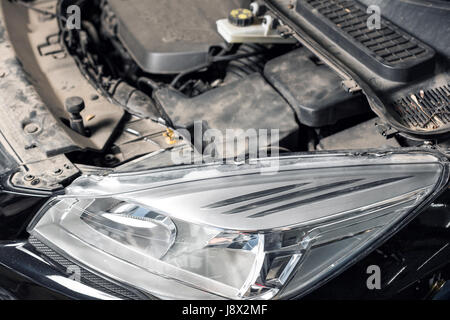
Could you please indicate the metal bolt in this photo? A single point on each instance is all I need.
(35, 182)
(67, 166)
(110, 157)
(31, 128)
(58, 172)
(28, 177)
(74, 105)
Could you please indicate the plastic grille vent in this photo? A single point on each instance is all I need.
(385, 42)
(86, 277)
(388, 50)
(425, 110)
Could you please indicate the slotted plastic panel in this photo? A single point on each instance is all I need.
(425, 110)
(388, 51)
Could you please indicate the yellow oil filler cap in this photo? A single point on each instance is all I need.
(241, 17)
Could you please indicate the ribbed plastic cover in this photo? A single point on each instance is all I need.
(389, 51)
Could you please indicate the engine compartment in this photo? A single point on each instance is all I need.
(167, 74)
(200, 78)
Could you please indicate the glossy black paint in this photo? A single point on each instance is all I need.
(17, 207)
(15, 212)
(24, 274)
(411, 262)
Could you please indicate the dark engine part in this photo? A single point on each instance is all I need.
(428, 21)
(313, 89)
(388, 51)
(359, 137)
(170, 36)
(228, 91)
(241, 68)
(425, 109)
(247, 104)
(135, 101)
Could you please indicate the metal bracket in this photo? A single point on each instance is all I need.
(46, 175)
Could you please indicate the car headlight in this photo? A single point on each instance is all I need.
(228, 231)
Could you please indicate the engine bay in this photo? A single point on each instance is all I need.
(185, 73)
(163, 71)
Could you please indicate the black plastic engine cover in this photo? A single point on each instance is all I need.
(170, 36)
(250, 103)
(313, 89)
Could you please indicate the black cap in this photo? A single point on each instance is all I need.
(74, 105)
(241, 17)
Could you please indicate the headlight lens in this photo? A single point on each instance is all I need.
(231, 232)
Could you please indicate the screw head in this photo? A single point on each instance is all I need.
(110, 159)
(35, 182)
(58, 172)
(28, 177)
(74, 105)
(31, 128)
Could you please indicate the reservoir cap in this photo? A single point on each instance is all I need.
(241, 17)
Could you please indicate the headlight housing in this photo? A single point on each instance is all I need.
(229, 231)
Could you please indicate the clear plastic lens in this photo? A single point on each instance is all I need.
(131, 225)
(154, 242)
(230, 232)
